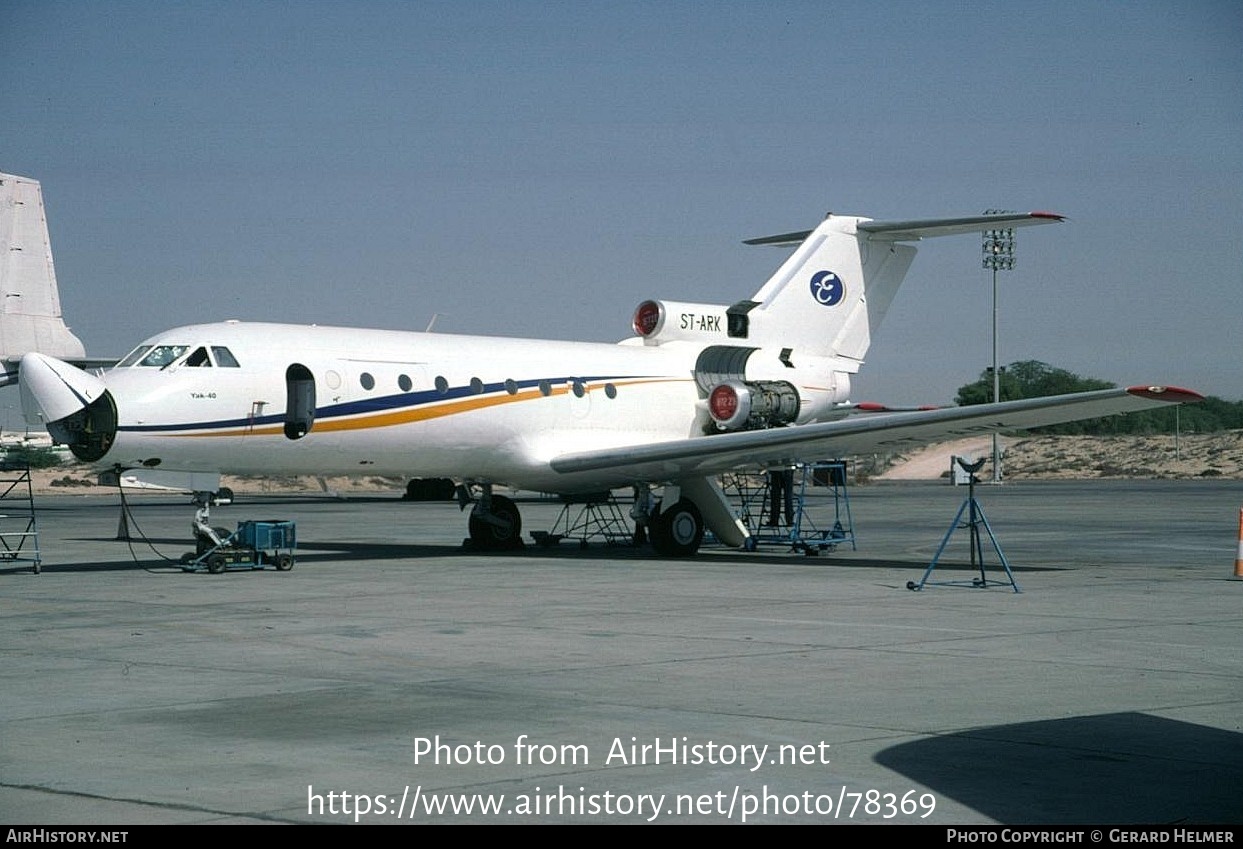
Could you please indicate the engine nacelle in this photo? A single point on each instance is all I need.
(768, 376)
(753, 405)
(657, 322)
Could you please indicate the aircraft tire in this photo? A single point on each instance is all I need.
(495, 537)
(678, 531)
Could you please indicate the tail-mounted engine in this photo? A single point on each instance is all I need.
(735, 403)
(658, 322)
(754, 388)
(742, 405)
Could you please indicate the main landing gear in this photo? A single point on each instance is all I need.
(207, 537)
(676, 531)
(495, 523)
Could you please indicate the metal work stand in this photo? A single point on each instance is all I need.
(774, 506)
(975, 519)
(597, 517)
(19, 534)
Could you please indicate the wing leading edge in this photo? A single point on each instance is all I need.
(866, 434)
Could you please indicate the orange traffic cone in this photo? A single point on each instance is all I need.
(1238, 560)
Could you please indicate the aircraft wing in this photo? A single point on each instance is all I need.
(859, 434)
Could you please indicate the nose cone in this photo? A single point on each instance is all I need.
(52, 389)
(76, 407)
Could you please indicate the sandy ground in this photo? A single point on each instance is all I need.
(1218, 455)
(933, 461)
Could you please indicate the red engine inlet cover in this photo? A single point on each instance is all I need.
(723, 403)
(646, 318)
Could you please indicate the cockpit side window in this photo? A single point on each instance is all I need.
(134, 356)
(198, 359)
(163, 355)
(224, 357)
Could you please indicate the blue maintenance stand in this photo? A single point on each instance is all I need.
(780, 507)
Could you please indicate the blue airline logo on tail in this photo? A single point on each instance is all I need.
(827, 288)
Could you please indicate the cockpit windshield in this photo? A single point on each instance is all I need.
(198, 359)
(163, 355)
(134, 356)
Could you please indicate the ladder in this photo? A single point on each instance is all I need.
(19, 532)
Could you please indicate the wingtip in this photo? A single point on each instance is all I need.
(1169, 394)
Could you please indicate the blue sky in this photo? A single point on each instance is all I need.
(538, 168)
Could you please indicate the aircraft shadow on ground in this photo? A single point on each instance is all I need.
(1110, 768)
(570, 550)
(97, 566)
(313, 551)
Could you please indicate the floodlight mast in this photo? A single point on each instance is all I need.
(998, 256)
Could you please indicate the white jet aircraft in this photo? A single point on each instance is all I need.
(699, 390)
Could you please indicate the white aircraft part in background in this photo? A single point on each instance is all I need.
(30, 317)
(699, 390)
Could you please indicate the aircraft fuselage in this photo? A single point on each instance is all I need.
(248, 398)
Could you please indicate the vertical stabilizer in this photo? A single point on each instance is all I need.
(30, 317)
(829, 297)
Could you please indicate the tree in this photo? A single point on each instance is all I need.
(29, 456)
(1027, 379)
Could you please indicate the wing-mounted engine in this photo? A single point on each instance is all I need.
(757, 388)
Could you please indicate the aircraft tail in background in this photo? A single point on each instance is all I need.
(30, 316)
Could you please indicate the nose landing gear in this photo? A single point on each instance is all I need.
(254, 545)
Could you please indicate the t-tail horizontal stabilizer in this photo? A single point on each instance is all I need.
(921, 228)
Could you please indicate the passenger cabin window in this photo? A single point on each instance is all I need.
(162, 356)
(224, 357)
